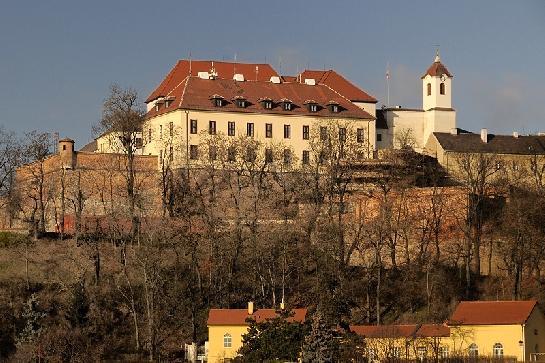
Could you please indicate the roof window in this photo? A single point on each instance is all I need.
(217, 100)
(333, 106)
(287, 105)
(266, 103)
(312, 105)
(240, 101)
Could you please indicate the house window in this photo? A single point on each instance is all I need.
(231, 128)
(268, 130)
(149, 134)
(250, 154)
(306, 157)
(139, 143)
(306, 132)
(497, 350)
(227, 340)
(161, 157)
(167, 103)
(287, 156)
(268, 155)
(193, 126)
(267, 105)
(218, 102)
(443, 352)
(342, 134)
(286, 106)
(379, 137)
(193, 152)
(313, 107)
(241, 103)
(171, 154)
(334, 108)
(396, 352)
(360, 136)
(212, 127)
(287, 131)
(429, 89)
(160, 132)
(250, 129)
(442, 88)
(171, 129)
(323, 133)
(421, 353)
(473, 350)
(231, 154)
(212, 152)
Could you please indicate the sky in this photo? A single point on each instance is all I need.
(58, 58)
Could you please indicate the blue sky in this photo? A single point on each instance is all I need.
(58, 57)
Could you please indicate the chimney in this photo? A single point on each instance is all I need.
(250, 307)
(484, 135)
(454, 131)
(515, 134)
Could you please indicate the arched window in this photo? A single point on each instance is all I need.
(497, 351)
(442, 88)
(429, 89)
(473, 350)
(227, 340)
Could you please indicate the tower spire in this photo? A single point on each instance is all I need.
(437, 57)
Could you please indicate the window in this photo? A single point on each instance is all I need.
(227, 340)
(342, 134)
(313, 107)
(193, 126)
(306, 157)
(212, 127)
(231, 128)
(193, 152)
(268, 130)
(156, 107)
(160, 132)
(429, 89)
(379, 137)
(218, 102)
(306, 132)
(212, 152)
(443, 352)
(396, 352)
(250, 129)
(421, 353)
(286, 106)
(497, 350)
(241, 103)
(139, 143)
(473, 350)
(231, 154)
(287, 131)
(167, 103)
(268, 155)
(161, 157)
(360, 135)
(149, 134)
(171, 154)
(267, 104)
(323, 133)
(171, 129)
(64, 147)
(250, 154)
(334, 108)
(442, 88)
(287, 156)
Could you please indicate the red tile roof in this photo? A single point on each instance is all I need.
(492, 312)
(436, 70)
(194, 93)
(433, 330)
(225, 70)
(338, 83)
(239, 316)
(385, 331)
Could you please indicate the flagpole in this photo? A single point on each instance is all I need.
(388, 84)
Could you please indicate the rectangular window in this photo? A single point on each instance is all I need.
(193, 152)
(193, 126)
(171, 129)
(231, 154)
(161, 158)
(306, 157)
(360, 135)
(323, 133)
(306, 132)
(379, 137)
(212, 127)
(268, 155)
(212, 152)
(250, 129)
(251, 155)
(342, 134)
(149, 134)
(287, 156)
(268, 130)
(160, 132)
(287, 131)
(171, 155)
(231, 128)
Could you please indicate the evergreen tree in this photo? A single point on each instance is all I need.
(321, 344)
(32, 316)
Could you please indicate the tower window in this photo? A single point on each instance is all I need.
(429, 89)
(64, 147)
(442, 88)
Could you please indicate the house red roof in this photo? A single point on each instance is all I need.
(385, 331)
(338, 83)
(437, 69)
(492, 312)
(224, 70)
(433, 330)
(239, 316)
(194, 93)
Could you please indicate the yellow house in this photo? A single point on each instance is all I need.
(227, 326)
(499, 329)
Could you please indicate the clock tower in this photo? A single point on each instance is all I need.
(437, 86)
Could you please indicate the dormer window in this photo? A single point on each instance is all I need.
(158, 104)
(156, 107)
(266, 103)
(240, 101)
(333, 106)
(217, 100)
(312, 105)
(286, 104)
(168, 101)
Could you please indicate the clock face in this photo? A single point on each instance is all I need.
(443, 77)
